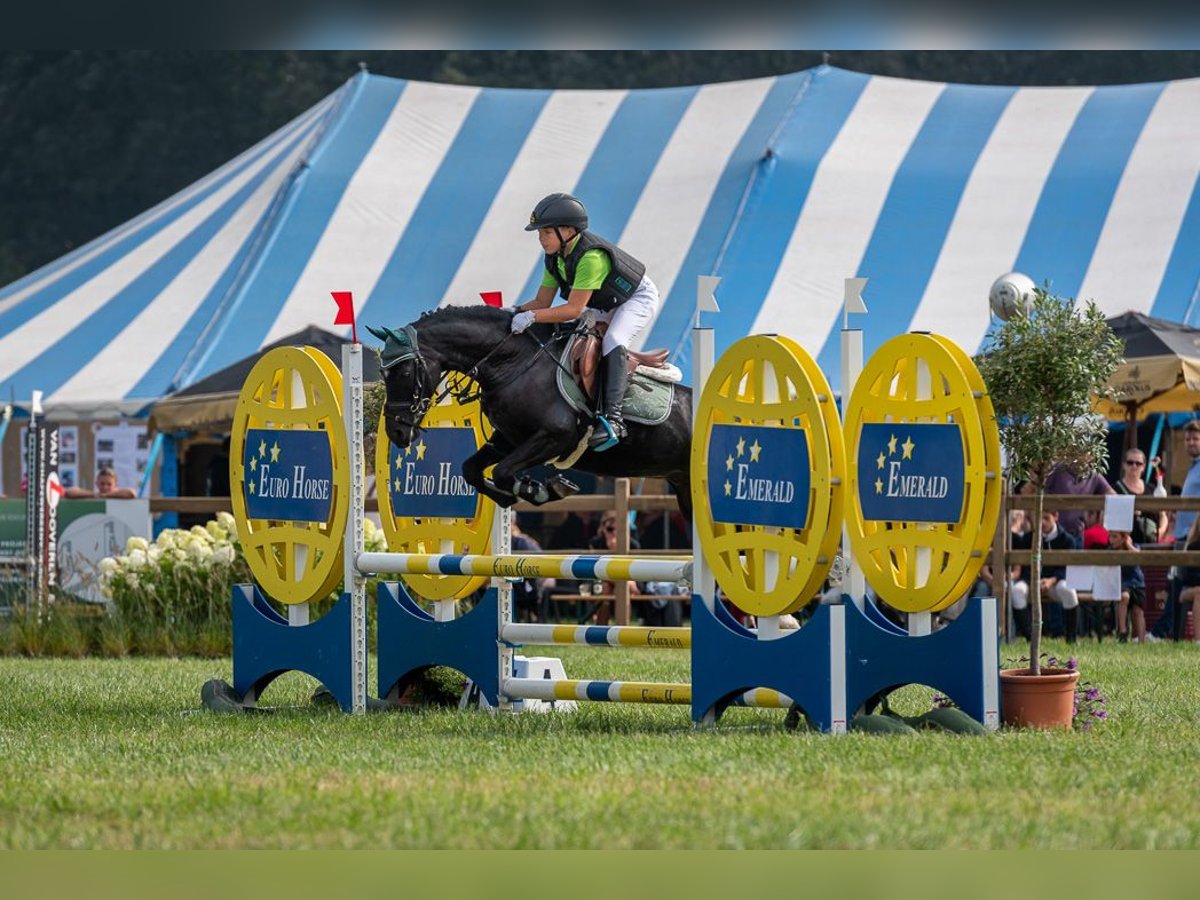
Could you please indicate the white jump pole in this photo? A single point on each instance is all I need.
(854, 582)
(355, 583)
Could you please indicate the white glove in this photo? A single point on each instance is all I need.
(521, 321)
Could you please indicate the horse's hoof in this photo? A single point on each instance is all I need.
(533, 491)
(560, 487)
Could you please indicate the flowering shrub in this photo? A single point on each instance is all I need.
(182, 580)
(175, 592)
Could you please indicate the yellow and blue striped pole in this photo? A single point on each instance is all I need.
(630, 692)
(597, 568)
(598, 635)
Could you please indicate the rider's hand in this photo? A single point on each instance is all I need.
(521, 321)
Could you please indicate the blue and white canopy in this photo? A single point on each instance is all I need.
(414, 195)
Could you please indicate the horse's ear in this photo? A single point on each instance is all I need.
(381, 333)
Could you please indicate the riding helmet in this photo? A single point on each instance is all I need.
(558, 209)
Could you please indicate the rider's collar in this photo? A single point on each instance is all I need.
(570, 247)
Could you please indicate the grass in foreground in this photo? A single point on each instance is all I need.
(116, 753)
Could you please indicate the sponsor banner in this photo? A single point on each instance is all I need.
(289, 475)
(758, 475)
(911, 472)
(427, 475)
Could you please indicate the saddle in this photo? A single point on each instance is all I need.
(583, 360)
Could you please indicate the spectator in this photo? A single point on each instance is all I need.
(1133, 591)
(106, 488)
(1147, 528)
(1054, 584)
(1164, 627)
(605, 540)
(216, 473)
(1189, 580)
(1062, 480)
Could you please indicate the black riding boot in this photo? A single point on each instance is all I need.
(1071, 624)
(610, 427)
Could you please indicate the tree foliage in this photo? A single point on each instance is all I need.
(1042, 371)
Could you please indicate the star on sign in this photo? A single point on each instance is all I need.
(892, 445)
(421, 448)
(253, 463)
(275, 452)
(755, 449)
(728, 488)
(729, 463)
(880, 461)
(250, 486)
(908, 447)
(262, 448)
(878, 486)
(397, 483)
(741, 445)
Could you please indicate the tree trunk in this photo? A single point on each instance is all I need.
(1035, 587)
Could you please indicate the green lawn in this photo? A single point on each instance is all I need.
(117, 753)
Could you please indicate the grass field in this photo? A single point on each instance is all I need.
(117, 753)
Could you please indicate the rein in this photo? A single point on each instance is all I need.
(419, 406)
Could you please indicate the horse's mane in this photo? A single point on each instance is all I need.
(472, 313)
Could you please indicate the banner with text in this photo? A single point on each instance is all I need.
(427, 476)
(911, 472)
(758, 475)
(289, 475)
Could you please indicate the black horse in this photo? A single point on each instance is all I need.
(532, 423)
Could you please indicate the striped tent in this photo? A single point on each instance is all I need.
(413, 195)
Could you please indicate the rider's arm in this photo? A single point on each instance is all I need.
(576, 303)
(590, 275)
(543, 298)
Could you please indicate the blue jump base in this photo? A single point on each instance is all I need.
(410, 641)
(265, 646)
(954, 660)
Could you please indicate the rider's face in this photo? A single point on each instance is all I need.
(548, 237)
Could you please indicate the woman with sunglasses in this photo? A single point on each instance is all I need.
(1147, 528)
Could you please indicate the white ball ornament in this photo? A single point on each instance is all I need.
(1011, 295)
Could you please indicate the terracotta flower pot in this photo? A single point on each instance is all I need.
(1038, 701)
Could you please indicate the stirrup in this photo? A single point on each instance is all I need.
(560, 487)
(604, 436)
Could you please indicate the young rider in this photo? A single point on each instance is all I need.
(590, 272)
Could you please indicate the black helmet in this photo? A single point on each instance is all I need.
(558, 209)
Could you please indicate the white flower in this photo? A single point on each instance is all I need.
(227, 521)
(137, 559)
(108, 566)
(201, 532)
(136, 543)
(215, 531)
(154, 554)
(200, 551)
(224, 554)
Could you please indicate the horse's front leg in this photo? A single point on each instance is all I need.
(473, 467)
(535, 451)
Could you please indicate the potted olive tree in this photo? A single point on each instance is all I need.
(1042, 368)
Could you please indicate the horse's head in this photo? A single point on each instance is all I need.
(409, 379)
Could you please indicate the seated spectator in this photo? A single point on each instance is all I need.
(1053, 582)
(527, 594)
(1133, 590)
(1148, 528)
(605, 540)
(1189, 580)
(106, 488)
(1062, 480)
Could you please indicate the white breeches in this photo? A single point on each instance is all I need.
(628, 320)
(1060, 593)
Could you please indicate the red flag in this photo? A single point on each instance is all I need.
(345, 313)
(492, 298)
